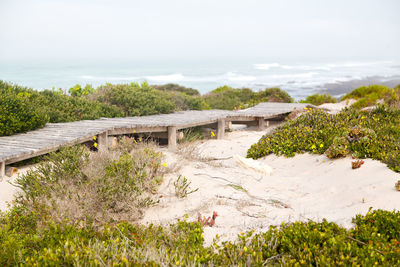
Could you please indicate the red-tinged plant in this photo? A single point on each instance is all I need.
(356, 164)
(210, 221)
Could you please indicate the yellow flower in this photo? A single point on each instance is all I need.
(244, 249)
(95, 144)
(321, 145)
(212, 134)
(164, 164)
(313, 147)
(94, 138)
(133, 131)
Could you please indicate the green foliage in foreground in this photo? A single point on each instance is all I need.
(373, 241)
(319, 99)
(16, 112)
(72, 212)
(229, 98)
(369, 95)
(374, 134)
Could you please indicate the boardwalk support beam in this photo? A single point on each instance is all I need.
(172, 138)
(261, 123)
(103, 141)
(221, 129)
(2, 170)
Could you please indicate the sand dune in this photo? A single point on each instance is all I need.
(299, 188)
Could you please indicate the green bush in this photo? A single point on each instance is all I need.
(374, 134)
(92, 189)
(271, 95)
(135, 99)
(172, 87)
(228, 98)
(369, 95)
(187, 102)
(17, 112)
(63, 108)
(77, 90)
(319, 99)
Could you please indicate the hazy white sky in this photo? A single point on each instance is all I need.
(118, 29)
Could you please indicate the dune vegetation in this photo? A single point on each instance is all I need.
(319, 99)
(82, 208)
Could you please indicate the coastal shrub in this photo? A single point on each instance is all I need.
(369, 95)
(172, 87)
(338, 148)
(271, 95)
(183, 101)
(92, 188)
(77, 90)
(63, 108)
(226, 97)
(229, 98)
(56, 105)
(134, 99)
(17, 114)
(319, 99)
(374, 134)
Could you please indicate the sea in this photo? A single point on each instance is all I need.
(299, 78)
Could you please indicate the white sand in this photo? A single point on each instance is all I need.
(8, 190)
(300, 188)
(337, 107)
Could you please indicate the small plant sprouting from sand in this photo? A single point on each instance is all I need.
(210, 221)
(356, 164)
(182, 189)
(237, 187)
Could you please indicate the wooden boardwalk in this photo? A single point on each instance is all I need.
(56, 135)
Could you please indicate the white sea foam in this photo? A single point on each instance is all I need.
(234, 77)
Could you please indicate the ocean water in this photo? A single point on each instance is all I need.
(298, 78)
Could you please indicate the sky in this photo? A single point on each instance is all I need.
(194, 29)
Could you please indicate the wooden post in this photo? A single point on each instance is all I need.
(221, 129)
(2, 170)
(172, 138)
(261, 123)
(103, 141)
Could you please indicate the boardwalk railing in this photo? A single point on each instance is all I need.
(56, 135)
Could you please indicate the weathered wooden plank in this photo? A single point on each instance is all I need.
(121, 131)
